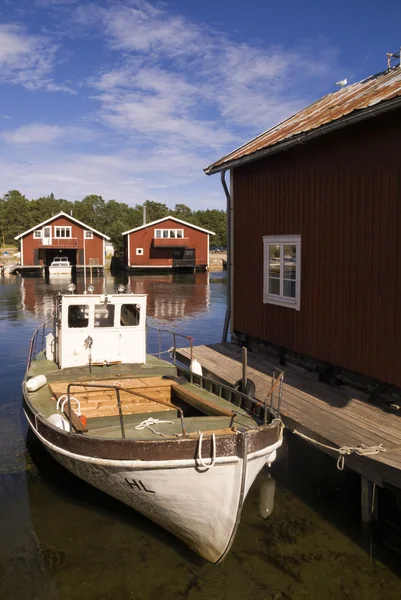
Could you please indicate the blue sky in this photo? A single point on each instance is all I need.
(133, 99)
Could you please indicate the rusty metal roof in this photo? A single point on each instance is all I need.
(331, 108)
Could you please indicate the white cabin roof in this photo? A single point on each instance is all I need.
(152, 223)
(61, 214)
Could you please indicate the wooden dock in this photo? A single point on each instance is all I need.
(336, 417)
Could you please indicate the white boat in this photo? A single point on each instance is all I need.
(60, 265)
(175, 446)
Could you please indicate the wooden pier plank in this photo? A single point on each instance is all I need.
(328, 415)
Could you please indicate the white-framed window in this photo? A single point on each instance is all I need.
(88, 235)
(139, 251)
(282, 270)
(37, 234)
(62, 232)
(169, 233)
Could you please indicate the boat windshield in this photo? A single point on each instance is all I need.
(130, 314)
(78, 315)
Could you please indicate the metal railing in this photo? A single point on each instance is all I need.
(38, 336)
(172, 350)
(251, 405)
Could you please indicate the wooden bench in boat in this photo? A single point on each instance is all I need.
(137, 395)
(102, 402)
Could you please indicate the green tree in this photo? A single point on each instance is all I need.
(182, 211)
(15, 215)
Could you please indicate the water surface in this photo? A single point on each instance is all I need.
(62, 539)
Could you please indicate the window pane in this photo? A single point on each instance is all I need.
(274, 260)
(130, 314)
(179, 233)
(172, 233)
(158, 233)
(104, 315)
(78, 315)
(289, 288)
(274, 286)
(165, 233)
(290, 261)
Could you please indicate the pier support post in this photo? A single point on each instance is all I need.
(370, 512)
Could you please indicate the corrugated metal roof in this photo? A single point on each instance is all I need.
(332, 107)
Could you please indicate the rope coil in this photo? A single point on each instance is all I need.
(151, 421)
(343, 451)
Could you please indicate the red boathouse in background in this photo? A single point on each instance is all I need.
(165, 244)
(62, 236)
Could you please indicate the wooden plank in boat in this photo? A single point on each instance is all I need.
(75, 420)
(129, 383)
(110, 411)
(200, 403)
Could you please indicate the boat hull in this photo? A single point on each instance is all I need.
(199, 504)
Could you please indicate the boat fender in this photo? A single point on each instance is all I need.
(35, 383)
(59, 421)
(196, 367)
(266, 497)
(249, 390)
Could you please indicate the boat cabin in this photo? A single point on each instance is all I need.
(98, 329)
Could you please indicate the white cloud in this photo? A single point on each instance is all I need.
(35, 133)
(173, 72)
(27, 59)
(42, 133)
(173, 96)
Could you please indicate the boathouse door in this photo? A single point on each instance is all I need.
(47, 236)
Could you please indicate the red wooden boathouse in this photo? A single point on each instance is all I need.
(166, 244)
(62, 235)
(314, 263)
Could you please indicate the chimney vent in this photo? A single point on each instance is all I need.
(393, 57)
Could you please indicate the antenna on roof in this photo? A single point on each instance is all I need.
(392, 57)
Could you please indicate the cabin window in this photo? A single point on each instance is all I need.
(104, 315)
(139, 251)
(88, 235)
(37, 234)
(169, 233)
(78, 315)
(282, 270)
(62, 232)
(130, 314)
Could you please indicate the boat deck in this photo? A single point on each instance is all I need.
(337, 417)
(146, 398)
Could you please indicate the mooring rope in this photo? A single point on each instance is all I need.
(200, 460)
(343, 451)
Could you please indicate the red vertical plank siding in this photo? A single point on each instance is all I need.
(93, 247)
(163, 257)
(341, 193)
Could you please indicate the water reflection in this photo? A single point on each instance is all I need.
(60, 538)
(170, 297)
